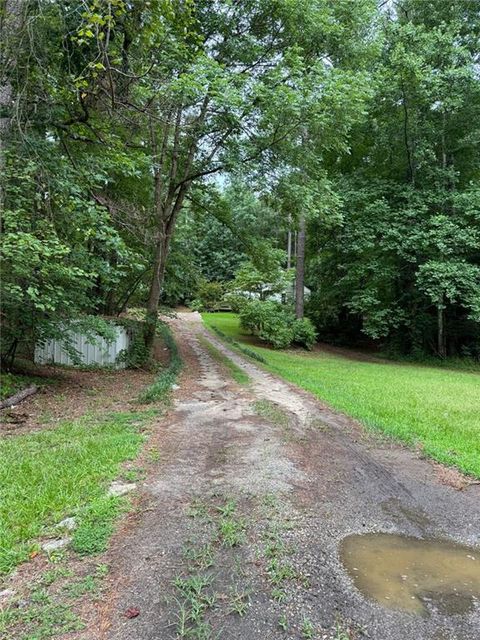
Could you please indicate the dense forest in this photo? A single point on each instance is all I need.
(163, 152)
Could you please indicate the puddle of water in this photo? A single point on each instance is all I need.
(413, 575)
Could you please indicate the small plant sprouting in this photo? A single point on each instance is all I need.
(279, 594)
(307, 629)
(283, 622)
(201, 557)
(279, 571)
(195, 601)
(198, 509)
(231, 530)
(239, 602)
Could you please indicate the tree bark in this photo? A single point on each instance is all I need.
(168, 206)
(441, 342)
(167, 228)
(289, 243)
(300, 270)
(11, 13)
(159, 264)
(18, 397)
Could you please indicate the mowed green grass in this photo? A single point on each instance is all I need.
(435, 408)
(63, 471)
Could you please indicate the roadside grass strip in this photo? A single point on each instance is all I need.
(160, 389)
(48, 475)
(235, 371)
(240, 347)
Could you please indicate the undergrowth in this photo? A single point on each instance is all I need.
(161, 387)
(12, 383)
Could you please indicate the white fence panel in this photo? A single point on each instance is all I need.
(102, 353)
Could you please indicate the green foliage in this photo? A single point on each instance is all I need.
(304, 332)
(11, 384)
(57, 249)
(96, 525)
(275, 323)
(262, 279)
(137, 354)
(160, 389)
(45, 616)
(403, 262)
(236, 301)
(373, 140)
(209, 296)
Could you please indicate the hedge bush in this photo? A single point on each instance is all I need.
(209, 296)
(276, 324)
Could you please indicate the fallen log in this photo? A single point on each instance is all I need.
(18, 397)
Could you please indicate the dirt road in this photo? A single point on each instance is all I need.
(238, 529)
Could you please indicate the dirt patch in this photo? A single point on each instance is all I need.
(453, 478)
(70, 393)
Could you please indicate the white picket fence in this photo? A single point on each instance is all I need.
(102, 353)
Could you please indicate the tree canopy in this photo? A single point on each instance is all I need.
(147, 147)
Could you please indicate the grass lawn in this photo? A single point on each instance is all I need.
(436, 408)
(64, 471)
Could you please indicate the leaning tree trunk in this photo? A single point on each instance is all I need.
(167, 228)
(300, 270)
(159, 264)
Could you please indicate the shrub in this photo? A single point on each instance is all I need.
(236, 301)
(275, 323)
(278, 331)
(304, 332)
(254, 314)
(209, 296)
(196, 305)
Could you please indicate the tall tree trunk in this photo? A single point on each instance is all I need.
(168, 206)
(300, 270)
(159, 264)
(167, 228)
(11, 12)
(441, 341)
(289, 243)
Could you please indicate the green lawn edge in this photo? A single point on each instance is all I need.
(435, 410)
